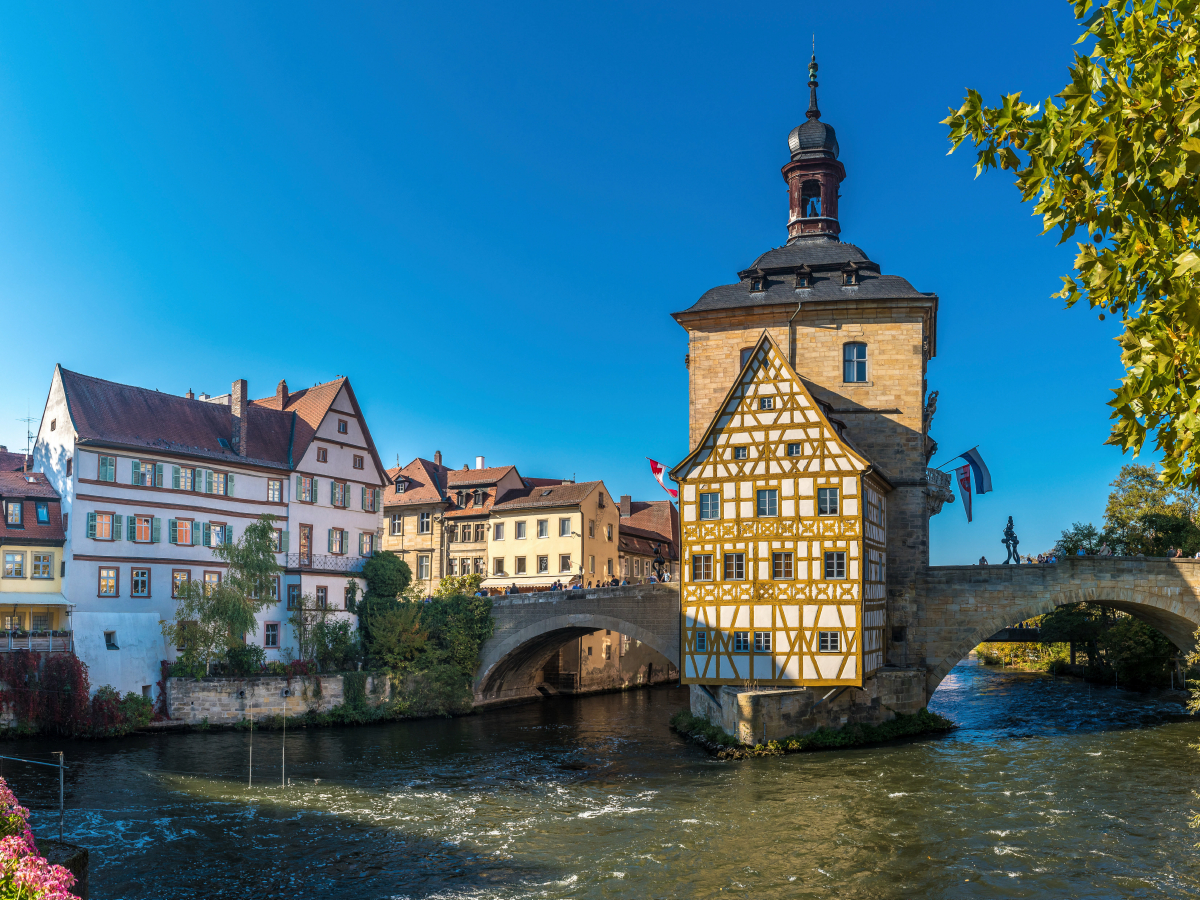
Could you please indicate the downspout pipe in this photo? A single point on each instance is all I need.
(792, 334)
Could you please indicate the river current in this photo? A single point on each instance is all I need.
(1049, 789)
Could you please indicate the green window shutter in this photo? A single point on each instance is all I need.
(175, 479)
(207, 539)
(364, 498)
(135, 472)
(378, 498)
(116, 527)
(299, 487)
(313, 495)
(283, 542)
(197, 534)
(131, 528)
(333, 493)
(155, 530)
(172, 530)
(91, 525)
(229, 534)
(158, 474)
(331, 540)
(208, 483)
(229, 484)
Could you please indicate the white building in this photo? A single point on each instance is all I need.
(150, 482)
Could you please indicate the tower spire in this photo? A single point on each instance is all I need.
(813, 111)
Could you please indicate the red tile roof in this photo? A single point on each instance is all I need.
(465, 477)
(543, 482)
(547, 495)
(651, 521)
(424, 482)
(31, 488)
(106, 412)
(14, 462)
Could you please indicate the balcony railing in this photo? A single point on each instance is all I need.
(42, 641)
(938, 477)
(326, 563)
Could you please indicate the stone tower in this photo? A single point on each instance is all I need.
(860, 341)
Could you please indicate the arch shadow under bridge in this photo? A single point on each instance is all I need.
(532, 627)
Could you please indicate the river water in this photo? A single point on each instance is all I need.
(1049, 789)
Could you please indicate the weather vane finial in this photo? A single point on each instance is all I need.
(813, 111)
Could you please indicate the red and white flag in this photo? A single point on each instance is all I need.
(659, 470)
(963, 474)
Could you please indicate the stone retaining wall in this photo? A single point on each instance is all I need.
(767, 715)
(226, 701)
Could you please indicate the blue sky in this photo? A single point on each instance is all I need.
(484, 214)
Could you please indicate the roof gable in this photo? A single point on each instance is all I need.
(793, 417)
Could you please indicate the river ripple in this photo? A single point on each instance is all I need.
(1049, 789)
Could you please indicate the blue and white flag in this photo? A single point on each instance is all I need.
(983, 478)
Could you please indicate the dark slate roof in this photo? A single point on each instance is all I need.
(813, 138)
(826, 257)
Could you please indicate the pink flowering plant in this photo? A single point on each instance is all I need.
(24, 873)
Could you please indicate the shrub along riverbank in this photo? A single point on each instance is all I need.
(700, 731)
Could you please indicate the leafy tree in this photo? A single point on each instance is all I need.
(1138, 654)
(1079, 537)
(397, 640)
(1145, 515)
(387, 575)
(210, 619)
(1080, 624)
(1118, 156)
(459, 626)
(458, 585)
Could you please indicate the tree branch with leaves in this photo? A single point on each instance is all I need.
(1118, 157)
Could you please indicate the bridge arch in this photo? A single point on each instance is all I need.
(531, 627)
(1170, 610)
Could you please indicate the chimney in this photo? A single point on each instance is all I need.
(479, 462)
(626, 500)
(241, 417)
(281, 393)
(190, 395)
(437, 458)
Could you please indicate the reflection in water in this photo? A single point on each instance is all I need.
(1049, 789)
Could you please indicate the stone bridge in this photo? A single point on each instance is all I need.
(949, 610)
(531, 627)
(957, 607)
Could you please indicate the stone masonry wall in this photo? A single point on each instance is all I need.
(765, 715)
(226, 701)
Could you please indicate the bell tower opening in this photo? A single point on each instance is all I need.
(814, 173)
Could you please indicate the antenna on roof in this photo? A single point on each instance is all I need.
(28, 420)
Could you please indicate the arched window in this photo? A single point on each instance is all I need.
(854, 362)
(810, 200)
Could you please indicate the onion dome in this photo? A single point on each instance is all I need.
(814, 137)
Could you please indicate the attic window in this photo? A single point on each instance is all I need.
(224, 443)
(850, 274)
(803, 277)
(401, 484)
(546, 493)
(756, 283)
(53, 424)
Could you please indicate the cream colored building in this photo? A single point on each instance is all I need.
(542, 533)
(414, 504)
(34, 614)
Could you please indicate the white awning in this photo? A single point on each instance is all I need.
(17, 598)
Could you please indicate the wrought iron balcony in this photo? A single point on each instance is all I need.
(349, 565)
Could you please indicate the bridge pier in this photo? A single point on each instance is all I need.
(769, 714)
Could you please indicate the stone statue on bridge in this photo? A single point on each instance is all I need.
(659, 563)
(1010, 542)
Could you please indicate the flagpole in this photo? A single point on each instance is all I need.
(960, 456)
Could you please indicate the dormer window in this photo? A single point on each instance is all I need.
(850, 273)
(803, 277)
(756, 283)
(401, 484)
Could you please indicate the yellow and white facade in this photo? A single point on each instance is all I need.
(784, 541)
